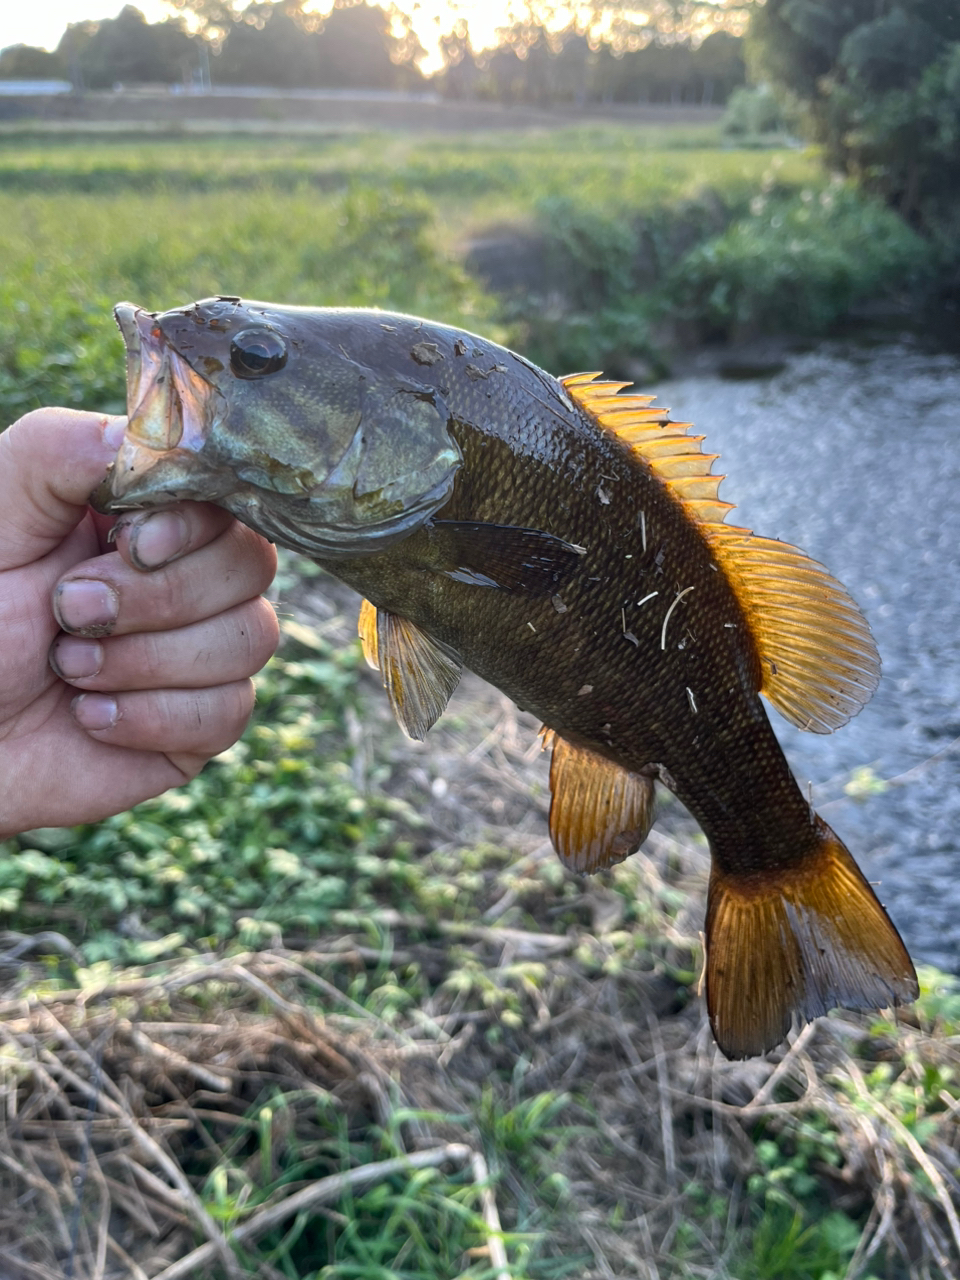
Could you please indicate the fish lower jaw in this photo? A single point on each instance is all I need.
(146, 477)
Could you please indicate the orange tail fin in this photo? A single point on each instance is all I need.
(799, 941)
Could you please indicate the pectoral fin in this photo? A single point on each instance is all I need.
(419, 673)
(499, 556)
(599, 812)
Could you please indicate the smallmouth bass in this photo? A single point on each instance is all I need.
(567, 542)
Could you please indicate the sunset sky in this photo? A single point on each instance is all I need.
(43, 22)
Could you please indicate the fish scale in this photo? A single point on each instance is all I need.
(567, 543)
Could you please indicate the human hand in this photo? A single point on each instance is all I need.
(123, 669)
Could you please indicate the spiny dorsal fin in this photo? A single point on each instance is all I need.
(819, 661)
(599, 812)
(675, 457)
(419, 673)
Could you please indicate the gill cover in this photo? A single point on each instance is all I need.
(259, 409)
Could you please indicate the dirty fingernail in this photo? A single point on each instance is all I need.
(157, 539)
(74, 659)
(86, 605)
(95, 711)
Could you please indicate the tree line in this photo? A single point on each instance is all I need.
(877, 84)
(275, 43)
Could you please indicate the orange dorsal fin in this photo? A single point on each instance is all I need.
(675, 457)
(419, 673)
(799, 941)
(818, 659)
(599, 812)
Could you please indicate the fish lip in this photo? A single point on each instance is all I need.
(127, 316)
(145, 477)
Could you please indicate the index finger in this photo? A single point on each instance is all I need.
(51, 460)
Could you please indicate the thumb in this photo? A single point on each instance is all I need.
(51, 460)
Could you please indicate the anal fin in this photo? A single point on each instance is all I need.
(798, 942)
(600, 813)
(419, 672)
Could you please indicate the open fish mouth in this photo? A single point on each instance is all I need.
(170, 410)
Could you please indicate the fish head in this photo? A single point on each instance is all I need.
(259, 409)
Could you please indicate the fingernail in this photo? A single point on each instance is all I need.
(95, 711)
(87, 606)
(157, 538)
(113, 431)
(74, 659)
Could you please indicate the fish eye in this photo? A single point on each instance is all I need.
(257, 352)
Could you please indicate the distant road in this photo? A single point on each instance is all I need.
(316, 110)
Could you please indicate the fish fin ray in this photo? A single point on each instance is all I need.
(500, 556)
(818, 659)
(600, 813)
(675, 457)
(693, 488)
(419, 672)
(800, 942)
(367, 630)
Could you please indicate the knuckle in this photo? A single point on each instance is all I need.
(263, 631)
(234, 706)
(258, 557)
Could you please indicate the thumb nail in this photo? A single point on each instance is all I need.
(113, 430)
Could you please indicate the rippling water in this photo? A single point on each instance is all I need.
(854, 454)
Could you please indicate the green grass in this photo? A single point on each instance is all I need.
(375, 221)
(639, 228)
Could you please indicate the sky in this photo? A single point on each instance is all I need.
(43, 22)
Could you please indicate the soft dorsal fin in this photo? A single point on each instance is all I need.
(819, 661)
(419, 673)
(599, 812)
(675, 457)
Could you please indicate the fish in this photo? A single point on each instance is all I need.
(565, 539)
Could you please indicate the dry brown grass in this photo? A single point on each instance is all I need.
(108, 1093)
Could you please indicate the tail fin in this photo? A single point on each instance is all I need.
(798, 941)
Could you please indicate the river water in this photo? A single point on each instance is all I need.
(854, 455)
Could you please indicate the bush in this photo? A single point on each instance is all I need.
(752, 113)
(604, 270)
(877, 87)
(798, 264)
